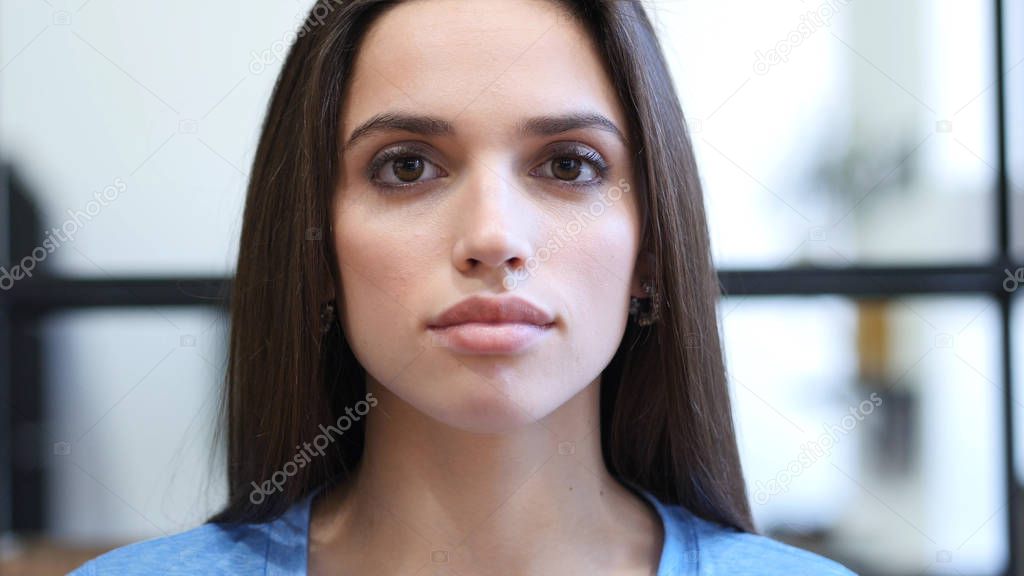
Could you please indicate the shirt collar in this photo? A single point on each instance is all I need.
(679, 554)
(288, 539)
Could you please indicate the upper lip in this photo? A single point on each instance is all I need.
(509, 309)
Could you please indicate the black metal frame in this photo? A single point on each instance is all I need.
(22, 307)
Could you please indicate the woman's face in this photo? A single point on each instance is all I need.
(512, 180)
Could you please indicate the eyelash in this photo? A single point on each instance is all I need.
(576, 151)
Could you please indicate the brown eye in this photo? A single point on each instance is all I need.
(573, 165)
(566, 168)
(408, 169)
(402, 166)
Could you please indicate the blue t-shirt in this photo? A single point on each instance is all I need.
(693, 546)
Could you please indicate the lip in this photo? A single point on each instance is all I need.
(481, 325)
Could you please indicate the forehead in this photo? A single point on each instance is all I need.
(481, 63)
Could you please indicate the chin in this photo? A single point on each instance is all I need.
(481, 394)
(483, 408)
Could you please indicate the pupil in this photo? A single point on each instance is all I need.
(567, 168)
(408, 169)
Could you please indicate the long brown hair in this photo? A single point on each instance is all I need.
(666, 420)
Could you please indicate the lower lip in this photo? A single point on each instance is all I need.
(482, 338)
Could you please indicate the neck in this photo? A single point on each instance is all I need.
(529, 500)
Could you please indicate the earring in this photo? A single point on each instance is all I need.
(649, 314)
(327, 316)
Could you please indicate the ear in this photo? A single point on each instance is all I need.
(644, 270)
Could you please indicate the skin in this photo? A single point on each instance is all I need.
(483, 464)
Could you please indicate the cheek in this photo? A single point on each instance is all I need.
(378, 276)
(598, 266)
(592, 273)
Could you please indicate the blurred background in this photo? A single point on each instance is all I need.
(863, 163)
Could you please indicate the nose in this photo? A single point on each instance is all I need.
(493, 220)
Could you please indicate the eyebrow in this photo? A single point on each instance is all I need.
(531, 127)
